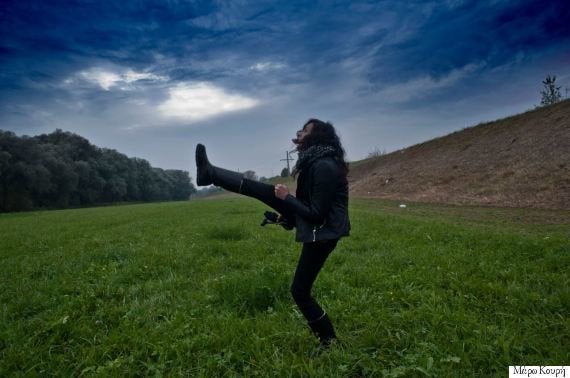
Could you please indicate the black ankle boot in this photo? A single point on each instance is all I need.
(324, 330)
(208, 174)
(203, 167)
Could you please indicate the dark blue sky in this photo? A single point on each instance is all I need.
(151, 79)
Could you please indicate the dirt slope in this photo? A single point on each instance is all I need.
(520, 161)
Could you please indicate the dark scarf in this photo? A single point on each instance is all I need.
(308, 156)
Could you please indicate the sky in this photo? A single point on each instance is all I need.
(152, 79)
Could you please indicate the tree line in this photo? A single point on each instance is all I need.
(63, 169)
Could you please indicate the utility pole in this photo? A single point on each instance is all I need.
(288, 159)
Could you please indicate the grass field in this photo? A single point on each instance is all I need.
(199, 289)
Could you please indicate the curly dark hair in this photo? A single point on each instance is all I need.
(324, 133)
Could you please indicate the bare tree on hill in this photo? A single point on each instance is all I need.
(550, 93)
(376, 152)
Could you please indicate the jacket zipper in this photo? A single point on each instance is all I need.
(315, 231)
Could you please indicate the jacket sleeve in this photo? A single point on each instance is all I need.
(323, 188)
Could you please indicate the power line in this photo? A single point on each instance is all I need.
(288, 159)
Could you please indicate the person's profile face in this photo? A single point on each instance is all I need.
(301, 134)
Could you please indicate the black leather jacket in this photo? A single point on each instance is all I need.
(321, 202)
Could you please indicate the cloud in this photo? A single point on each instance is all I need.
(104, 79)
(105, 70)
(202, 100)
(426, 85)
(266, 66)
(132, 76)
(108, 79)
(447, 36)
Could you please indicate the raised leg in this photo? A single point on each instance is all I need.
(208, 174)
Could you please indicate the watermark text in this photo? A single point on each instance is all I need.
(539, 371)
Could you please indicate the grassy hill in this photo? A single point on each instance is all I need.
(200, 289)
(520, 161)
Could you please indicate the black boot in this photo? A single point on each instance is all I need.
(208, 174)
(203, 167)
(324, 330)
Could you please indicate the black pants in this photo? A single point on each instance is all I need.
(266, 194)
(313, 257)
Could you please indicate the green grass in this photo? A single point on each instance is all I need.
(199, 289)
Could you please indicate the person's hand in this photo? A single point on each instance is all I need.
(281, 191)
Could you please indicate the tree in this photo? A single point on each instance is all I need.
(115, 189)
(250, 175)
(550, 93)
(182, 186)
(285, 172)
(375, 153)
(62, 169)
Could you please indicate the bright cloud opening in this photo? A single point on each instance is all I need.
(108, 79)
(104, 79)
(200, 101)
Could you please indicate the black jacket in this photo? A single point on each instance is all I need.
(321, 202)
